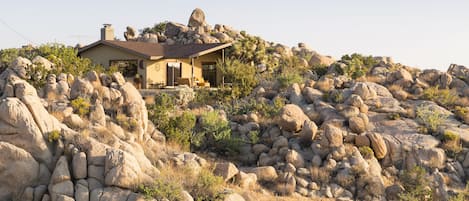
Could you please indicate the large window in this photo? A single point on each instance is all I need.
(128, 68)
(209, 72)
(173, 73)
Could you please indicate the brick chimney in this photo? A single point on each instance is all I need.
(107, 32)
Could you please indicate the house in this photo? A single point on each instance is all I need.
(153, 65)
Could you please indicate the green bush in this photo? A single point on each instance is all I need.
(157, 28)
(366, 152)
(451, 142)
(444, 97)
(287, 78)
(214, 133)
(208, 187)
(180, 129)
(81, 106)
(416, 185)
(394, 116)
(53, 136)
(159, 112)
(320, 70)
(241, 76)
(357, 65)
(431, 119)
(162, 189)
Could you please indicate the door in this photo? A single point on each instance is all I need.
(209, 72)
(173, 73)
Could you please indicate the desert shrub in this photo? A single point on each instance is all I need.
(394, 116)
(320, 70)
(253, 137)
(162, 189)
(208, 186)
(287, 78)
(444, 97)
(158, 113)
(53, 136)
(180, 129)
(415, 182)
(242, 77)
(451, 142)
(366, 152)
(431, 119)
(214, 133)
(336, 96)
(357, 65)
(157, 28)
(461, 112)
(269, 110)
(81, 106)
(123, 121)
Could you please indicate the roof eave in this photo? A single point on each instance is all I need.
(201, 53)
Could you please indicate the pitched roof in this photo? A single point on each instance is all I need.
(155, 51)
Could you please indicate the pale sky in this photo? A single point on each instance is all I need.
(420, 33)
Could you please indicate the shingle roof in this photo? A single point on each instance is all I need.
(154, 51)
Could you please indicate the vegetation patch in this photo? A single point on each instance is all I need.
(432, 119)
(81, 106)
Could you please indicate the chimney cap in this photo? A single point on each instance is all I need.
(107, 25)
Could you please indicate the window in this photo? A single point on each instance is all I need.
(173, 73)
(209, 72)
(128, 68)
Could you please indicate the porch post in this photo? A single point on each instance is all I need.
(192, 73)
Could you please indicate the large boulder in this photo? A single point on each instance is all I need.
(197, 18)
(135, 106)
(60, 182)
(292, 118)
(317, 59)
(81, 88)
(18, 127)
(173, 29)
(123, 170)
(18, 170)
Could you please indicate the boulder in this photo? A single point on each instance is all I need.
(18, 127)
(378, 145)
(81, 191)
(123, 170)
(308, 132)
(60, 182)
(81, 88)
(295, 158)
(130, 34)
(317, 59)
(197, 18)
(264, 173)
(324, 84)
(292, 118)
(18, 170)
(357, 124)
(246, 180)
(364, 91)
(226, 170)
(311, 95)
(79, 165)
(333, 135)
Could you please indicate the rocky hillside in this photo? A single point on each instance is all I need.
(310, 128)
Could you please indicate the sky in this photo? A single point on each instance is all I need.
(418, 33)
